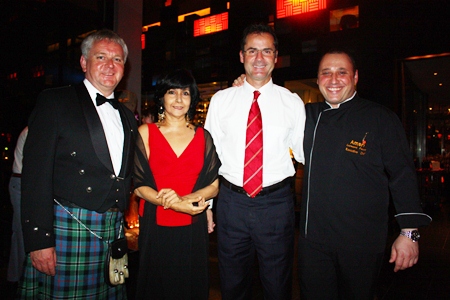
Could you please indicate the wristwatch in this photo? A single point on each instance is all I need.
(414, 235)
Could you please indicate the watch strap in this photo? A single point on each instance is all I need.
(411, 234)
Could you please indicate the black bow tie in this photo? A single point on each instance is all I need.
(101, 99)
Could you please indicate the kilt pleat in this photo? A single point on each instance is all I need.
(80, 259)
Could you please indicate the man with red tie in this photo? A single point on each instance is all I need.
(253, 127)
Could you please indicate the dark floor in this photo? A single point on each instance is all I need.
(429, 279)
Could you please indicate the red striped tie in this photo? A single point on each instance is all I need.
(253, 163)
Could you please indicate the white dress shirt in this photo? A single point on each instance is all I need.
(18, 151)
(283, 118)
(112, 126)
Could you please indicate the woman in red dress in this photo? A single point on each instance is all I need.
(176, 175)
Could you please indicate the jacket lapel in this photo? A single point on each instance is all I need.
(95, 127)
(127, 140)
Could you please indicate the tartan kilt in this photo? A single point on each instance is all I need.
(80, 259)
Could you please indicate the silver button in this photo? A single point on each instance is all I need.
(81, 172)
(117, 200)
(112, 176)
(117, 190)
(88, 189)
(73, 154)
(35, 229)
(27, 221)
(47, 234)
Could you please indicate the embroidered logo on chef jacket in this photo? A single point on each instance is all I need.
(357, 147)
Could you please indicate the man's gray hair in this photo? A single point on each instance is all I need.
(103, 34)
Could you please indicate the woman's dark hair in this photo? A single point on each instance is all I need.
(178, 79)
(258, 29)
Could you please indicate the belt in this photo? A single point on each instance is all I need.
(16, 175)
(73, 205)
(265, 190)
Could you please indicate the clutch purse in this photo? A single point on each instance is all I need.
(116, 264)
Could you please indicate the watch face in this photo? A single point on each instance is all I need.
(415, 235)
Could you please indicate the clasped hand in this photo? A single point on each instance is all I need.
(188, 204)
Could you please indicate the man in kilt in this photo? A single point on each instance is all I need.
(76, 178)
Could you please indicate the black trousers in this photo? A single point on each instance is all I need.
(328, 273)
(262, 225)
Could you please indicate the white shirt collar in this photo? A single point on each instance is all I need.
(92, 90)
(249, 87)
(339, 104)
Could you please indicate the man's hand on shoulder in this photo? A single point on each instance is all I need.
(239, 81)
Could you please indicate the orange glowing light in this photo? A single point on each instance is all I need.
(146, 27)
(142, 41)
(287, 8)
(201, 13)
(211, 24)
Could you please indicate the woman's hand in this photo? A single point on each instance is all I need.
(192, 205)
(168, 197)
(188, 204)
(209, 217)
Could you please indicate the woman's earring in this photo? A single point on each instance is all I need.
(161, 114)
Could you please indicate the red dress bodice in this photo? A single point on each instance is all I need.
(179, 173)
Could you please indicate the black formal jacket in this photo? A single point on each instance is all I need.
(66, 157)
(357, 156)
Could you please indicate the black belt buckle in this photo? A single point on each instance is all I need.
(264, 191)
